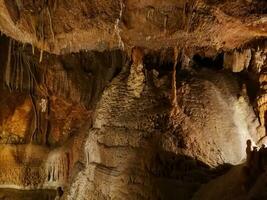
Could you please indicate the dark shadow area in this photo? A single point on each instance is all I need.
(254, 44)
(180, 176)
(252, 85)
(13, 194)
(3, 56)
(92, 71)
(161, 60)
(259, 7)
(215, 63)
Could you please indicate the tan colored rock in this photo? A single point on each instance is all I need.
(237, 61)
(17, 123)
(104, 125)
(122, 146)
(70, 27)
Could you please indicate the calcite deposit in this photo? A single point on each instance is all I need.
(133, 99)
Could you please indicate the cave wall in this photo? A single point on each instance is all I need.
(129, 99)
(102, 125)
(46, 109)
(104, 122)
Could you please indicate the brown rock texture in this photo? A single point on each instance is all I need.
(131, 99)
(73, 25)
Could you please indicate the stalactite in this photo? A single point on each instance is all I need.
(8, 66)
(20, 80)
(41, 56)
(40, 30)
(165, 23)
(50, 23)
(13, 71)
(39, 120)
(189, 14)
(43, 118)
(174, 103)
(116, 26)
(17, 70)
(35, 119)
(185, 13)
(87, 153)
(57, 167)
(31, 84)
(136, 78)
(20, 75)
(33, 50)
(19, 4)
(61, 83)
(55, 5)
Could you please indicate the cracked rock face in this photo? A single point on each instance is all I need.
(130, 99)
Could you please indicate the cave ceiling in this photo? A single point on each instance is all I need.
(60, 27)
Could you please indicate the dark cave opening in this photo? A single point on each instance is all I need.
(161, 60)
(252, 85)
(214, 63)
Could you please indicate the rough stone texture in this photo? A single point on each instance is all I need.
(207, 102)
(46, 109)
(237, 61)
(73, 25)
(129, 133)
(131, 99)
(122, 143)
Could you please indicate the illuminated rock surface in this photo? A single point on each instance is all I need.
(131, 99)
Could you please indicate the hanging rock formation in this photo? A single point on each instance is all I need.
(130, 99)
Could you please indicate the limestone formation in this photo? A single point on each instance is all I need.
(237, 61)
(133, 99)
